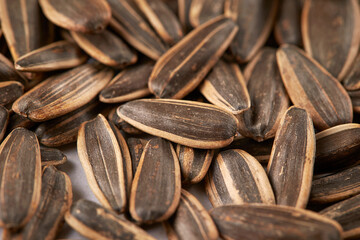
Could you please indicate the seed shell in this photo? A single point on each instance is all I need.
(129, 84)
(8, 72)
(155, 192)
(63, 93)
(55, 56)
(181, 69)
(194, 163)
(52, 156)
(335, 20)
(20, 178)
(101, 158)
(236, 177)
(9, 92)
(136, 148)
(106, 48)
(290, 168)
(16, 121)
(183, 12)
(4, 120)
(225, 87)
(255, 19)
(263, 222)
(70, 14)
(352, 80)
(191, 220)
(202, 11)
(121, 124)
(189, 123)
(311, 87)
(268, 97)
(95, 222)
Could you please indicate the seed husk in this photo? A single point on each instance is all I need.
(16, 121)
(52, 156)
(202, 11)
(264, 222)
(352, 80)
(95, 222)
(64, 130)
(106, 48)
(172, 4)
(236, 177)
(194, 163)
(290, 168)
(254, 25)
(183, 12)
(225, 87)
(311, 87)
(181, 69)
(20, 176)
(25, 27)
(8, 72)
(70, 14)
(136, 148)
(121, 124)
(129, 84)
(56, 199)
(162, 19)
(337, 148)
(336, 187)
(55, 56)
(269, 100)
(287, 25)
(101, 158)
(63, 93)
(346, 213)
(335, 20)
(9, 92)
(189, 123)
(191, 220)
(134, 29)
(157, 182)
(4, 120)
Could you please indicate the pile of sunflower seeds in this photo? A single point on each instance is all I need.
(255, 99)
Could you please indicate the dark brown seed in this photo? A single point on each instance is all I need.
(4, 119)
(102, 160)
(311, 87)
(95, 222)
(189, 123)
(129, 84)
(56, 199)
(255, 20)
(352, 80)
(337, 148)
(291, 163)
(236, 177)
(355, 100)
(55, 56)
(287, 25)
(162, 19)
(64, 130)
(134, 29)
(225, 87)
(52, 156)
(136, 148)
(121, 124)
(194, 163)
(347, 214)
(336, 187)
(155, 192)
(191, 220)
(172, 4)
(24, 26)
(9, 92)
(20, 178)
(106, 48)
(8, 73)
(16, 121)
(183, 12)
(261, 222)
(181, 69)
(79, 15)
(63, 93)
(331, 33)
(269, 99)
(202, 11)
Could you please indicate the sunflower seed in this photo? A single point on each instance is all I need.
(136, 148)
(8, 72)
(52, 156)
(4, 119)
(157, 181)
(194, 163)
(20, 176)
(183, 12)
(202, 11)
(352, 79)
(101, 158)
(16, 121)
(121, 124)
(9, 92)
(181, 69)
(310, 86)
(189, 123)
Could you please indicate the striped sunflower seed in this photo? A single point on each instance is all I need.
(136, 148)
(52, 156)
(9, 92)
(202, 11)
(4, 120)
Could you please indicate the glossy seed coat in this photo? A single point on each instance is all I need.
(202, 11)
(181, 69)
(52, 156)
(189, 123)
(311, 87)
(121, 124)
(9, 92)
